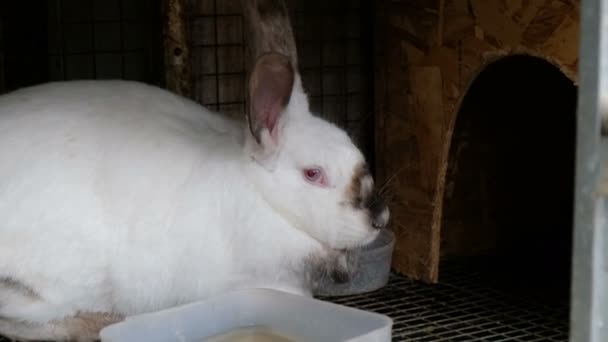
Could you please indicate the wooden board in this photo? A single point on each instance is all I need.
(176, 48)
(430, 54)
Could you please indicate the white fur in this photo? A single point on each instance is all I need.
(123, 198)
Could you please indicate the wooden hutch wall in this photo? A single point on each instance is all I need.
(427, 55)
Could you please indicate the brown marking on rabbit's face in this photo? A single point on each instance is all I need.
(355, 188)
(14, 285)
(363, 196)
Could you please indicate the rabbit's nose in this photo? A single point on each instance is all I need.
(380, 214)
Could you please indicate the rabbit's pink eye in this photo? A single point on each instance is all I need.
(314, 176)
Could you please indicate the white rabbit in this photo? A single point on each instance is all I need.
(119, 198)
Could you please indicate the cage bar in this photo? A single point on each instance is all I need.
(589, 315)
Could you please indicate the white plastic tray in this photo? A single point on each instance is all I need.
(303, 318)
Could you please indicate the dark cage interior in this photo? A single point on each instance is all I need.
(70, 39)
(510, 185)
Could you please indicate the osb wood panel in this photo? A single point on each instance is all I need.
(381, 42)
(176, 47)
(456, 39)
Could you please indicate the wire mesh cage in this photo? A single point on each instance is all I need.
(121, 39)
(334, 52)
(69, 39)
(466, 305)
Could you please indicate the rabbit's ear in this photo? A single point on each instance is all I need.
(270, 86)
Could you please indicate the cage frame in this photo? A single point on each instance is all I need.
(589, 300)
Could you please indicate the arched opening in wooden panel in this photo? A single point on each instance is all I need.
(510, 180)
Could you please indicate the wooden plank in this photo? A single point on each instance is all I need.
(546, 21)
(177, 51)
(494, 22)
(457, 18)
(413, 144)
(380, 87)
(563, 44)
(426, 99)
(415, 21)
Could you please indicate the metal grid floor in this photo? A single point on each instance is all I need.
(464, 306)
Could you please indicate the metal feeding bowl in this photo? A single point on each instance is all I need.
(373, 269)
